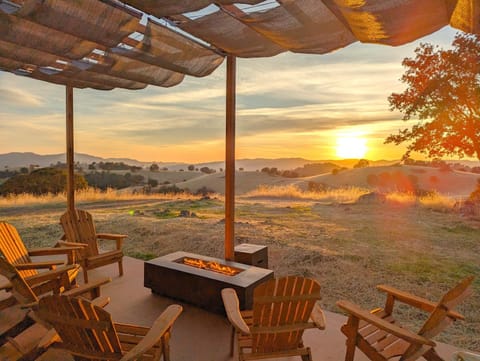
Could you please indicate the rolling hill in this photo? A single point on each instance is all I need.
(25, 159)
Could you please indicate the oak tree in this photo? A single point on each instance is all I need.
(443, 94)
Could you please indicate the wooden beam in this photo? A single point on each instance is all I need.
(230, 160)
(70, 160)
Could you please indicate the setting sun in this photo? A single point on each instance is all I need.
(351, 147)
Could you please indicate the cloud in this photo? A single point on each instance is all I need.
(289, 103)
(19, 97)
(41, 133)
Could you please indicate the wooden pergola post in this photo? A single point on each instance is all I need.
(230, 160)
(69, 133)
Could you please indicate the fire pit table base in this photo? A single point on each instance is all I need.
(168, 276)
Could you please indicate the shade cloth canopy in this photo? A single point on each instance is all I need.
(106, 44)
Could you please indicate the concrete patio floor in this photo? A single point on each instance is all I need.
(199, 335)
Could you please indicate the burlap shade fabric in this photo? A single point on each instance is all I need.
(106, 44)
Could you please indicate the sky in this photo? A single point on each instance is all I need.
(292, 105)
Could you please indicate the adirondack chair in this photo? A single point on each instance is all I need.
(15, 252)
(379, 336)
(80, 230)
(282, 309)
(87, 331)
(18, 318)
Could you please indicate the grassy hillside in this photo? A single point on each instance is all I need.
(452, 183)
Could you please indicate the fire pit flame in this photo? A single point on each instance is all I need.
(211, 266)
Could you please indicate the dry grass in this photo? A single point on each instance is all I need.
(349, 248)
(348, 195)
(434, 201)
(88, 195)
(291, 191)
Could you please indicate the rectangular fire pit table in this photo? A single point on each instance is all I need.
(169, 276)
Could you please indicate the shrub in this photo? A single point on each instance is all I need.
(173, 189)
(106, 180)
(207, 170)
(362, 163)
(7, 173)
(41, 181)
(475, 195)
(152, 182)
(289, 174)
(113, 166)
(270, 171)
(204, 191)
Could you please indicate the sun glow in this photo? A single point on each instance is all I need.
(351, 147)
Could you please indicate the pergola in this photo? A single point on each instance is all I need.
(107, 44)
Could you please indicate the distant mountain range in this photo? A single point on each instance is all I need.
(17, 160)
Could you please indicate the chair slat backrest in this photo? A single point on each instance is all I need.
(281, 310)
(86, 330)
(439, 318)
(13, 248)
(78, 227)
(20, 290)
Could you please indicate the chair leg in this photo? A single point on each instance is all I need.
(232, 340)
(350, 352)
(166, 346)
(307, 357)
(350, 329)
(120, 267)
(85, 275)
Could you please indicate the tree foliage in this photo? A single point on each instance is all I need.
(207, 170)
(443, 93)
(362, 163)
(41, 181)
(104, 180)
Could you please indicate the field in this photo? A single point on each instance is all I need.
(420, 246)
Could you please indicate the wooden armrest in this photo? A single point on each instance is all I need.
(39, 265)
(161, 325)
(52, 251)
(318, 317)
(118, 238)
(88, 287)
(416, 301)
(232, 308)
(49, 275)
(111, 236)
(76, 245)
(67, 251)
(355, 311)
(101, 301)
(78, 249)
